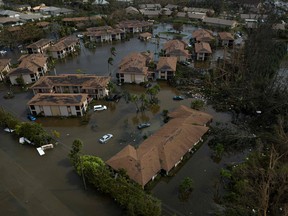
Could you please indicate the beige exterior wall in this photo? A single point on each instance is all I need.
(137, 78)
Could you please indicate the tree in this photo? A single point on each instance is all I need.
(144, 101)
(110, 63)
(152, 92)
(74, 154)
(197, 104)
(178, 26)
(113, 51)
(185, 188)
(135, 99)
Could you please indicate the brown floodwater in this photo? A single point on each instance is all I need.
(48, 185)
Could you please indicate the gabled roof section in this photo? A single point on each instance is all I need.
(225, 36)
(167, 63)
(164, 148)
(203, 47)
(203, 35)
(40, 43)
(83, 80)
(64, 43)
(4, 63)
(135, 63)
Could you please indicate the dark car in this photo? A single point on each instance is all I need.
(31, 117)
(143, 125)
(178, 97)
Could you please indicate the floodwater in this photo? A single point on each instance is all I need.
(47, 185)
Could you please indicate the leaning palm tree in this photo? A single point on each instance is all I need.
(113, 51)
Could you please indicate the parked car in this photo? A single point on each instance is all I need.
(185, 63)
(105, 138)
(115, 98)
(99, 107)
(31, 117)
(178, 97)
(143, 125)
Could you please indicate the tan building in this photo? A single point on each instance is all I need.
(226, 39)
(134, 68)
(177, 48)
(145, 36)
(31, 67)
(134, 26)
(4, 68)
(105, 34)
(39, 46)
(165, 149)
(95, 86)
(63, 47)
(58, 104)
(202, 35)
(203, 51)
(212, 21)
(166, 67)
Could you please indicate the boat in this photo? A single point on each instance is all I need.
(40, 151)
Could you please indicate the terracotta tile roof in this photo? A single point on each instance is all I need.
(135, 63)
(51, 99)
(133, 24)
(167, 63)
(40, 43)
(203, 35)
(140, 166)
(80, 19)
(176, 48)
(203, 47)
(145, 35)
(64, 43)
(102, 30)
(163, 149)
(20, 71)
(218, 21)
(4, 63)
(83, 80)
(32, 61)
(225, 36)
(43, 24)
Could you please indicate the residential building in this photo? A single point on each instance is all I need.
(30, 69)
(226, 39)
(165, 149)
(39, 46)
(71, 21)
(104, 34)
(134, 68)
(8, 21)
(132, 10)
(100, 2)
(95, 86)
(176, 48)
(145, 36)
(55, 11)
(58, 104)
(4, 68)
(134, 26)
(202, 35)
(151, 7)
(63, 47)
(166, 67)
(220, 22)
(202, 11)
(202, 51)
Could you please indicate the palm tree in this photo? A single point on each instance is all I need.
(135, 99)
(152, 92)
(144, 101)
(113, 51)
(110, 62)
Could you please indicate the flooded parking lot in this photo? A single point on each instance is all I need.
(48, 185)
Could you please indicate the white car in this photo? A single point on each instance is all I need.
(99, 107)
(105, 138)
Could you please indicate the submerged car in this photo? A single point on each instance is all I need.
(31, 117)
(99, 107)
(143, 125)
(105, 138)
(178, 97)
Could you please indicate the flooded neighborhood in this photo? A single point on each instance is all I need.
(141, 102)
